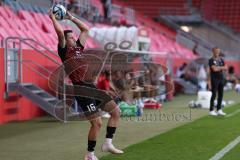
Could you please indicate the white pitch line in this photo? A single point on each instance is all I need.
(233, 113)
(226, 149)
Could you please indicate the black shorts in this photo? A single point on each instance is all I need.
(86, 105)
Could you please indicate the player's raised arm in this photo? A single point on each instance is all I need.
(58, 29)
(82, 27)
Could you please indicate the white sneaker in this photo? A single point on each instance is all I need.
(213, 113)
(90, 156)
(221, 113)
(109, 147)
(106, 115)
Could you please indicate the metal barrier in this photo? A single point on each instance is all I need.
(26, 41)
(18, 58)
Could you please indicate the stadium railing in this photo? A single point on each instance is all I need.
(18, 84)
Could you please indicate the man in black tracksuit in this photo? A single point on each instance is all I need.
(217, 67)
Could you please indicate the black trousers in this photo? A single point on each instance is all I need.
(217, 88)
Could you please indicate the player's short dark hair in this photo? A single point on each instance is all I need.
(231, 70)
(107, 73)
(216, 47)
(66, 32)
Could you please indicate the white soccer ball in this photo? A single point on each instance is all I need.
(59, 11)
(192, 104)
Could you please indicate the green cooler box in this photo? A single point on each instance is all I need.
(127, 110)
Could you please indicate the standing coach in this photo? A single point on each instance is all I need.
(217, 67)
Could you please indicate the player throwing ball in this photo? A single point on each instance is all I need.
(69, 48)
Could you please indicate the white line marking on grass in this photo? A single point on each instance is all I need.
(226, 149)
(233, 113)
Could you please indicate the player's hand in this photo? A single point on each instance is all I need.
(112, 94)
(69, 16)
(224, 68)
(50, 14)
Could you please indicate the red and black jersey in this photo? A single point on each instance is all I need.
(72, 58)
(76, 67)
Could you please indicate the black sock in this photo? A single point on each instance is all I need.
(91, 145)
(110, 132)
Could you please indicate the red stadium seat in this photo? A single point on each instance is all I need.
(3, 13)
(223, 11)
(153, 8)
(8, 11)
(3, 33)
(25, 16)
(98, 5)
(3, 23)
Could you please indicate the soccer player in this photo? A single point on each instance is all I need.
(69, 48)
(217, 67)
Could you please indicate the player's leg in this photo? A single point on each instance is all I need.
(214, 91)
(92, 138)
(220, 97)
(88, 108)
(112, 108)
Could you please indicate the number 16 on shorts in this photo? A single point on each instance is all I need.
(91, 107)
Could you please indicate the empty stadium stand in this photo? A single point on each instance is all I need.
(226, 12)
(33, 22)
(223, 11)
(197, 4)
(155, 8)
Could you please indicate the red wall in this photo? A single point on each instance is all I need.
(20, 108)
